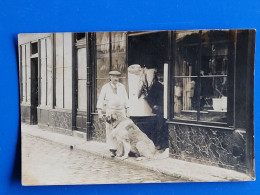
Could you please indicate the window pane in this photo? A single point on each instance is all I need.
(67, 82)
(213, 95)
(28, 68)
(185, 101)
(82, 89)
(59, 70)
(43, 55)
(34, 48)
(49, 71)
(213, 99)
(24, 72)
(214, 59)
(119, 51)
(82, 93)
(103, 60)
(118, 40)
(185, 77)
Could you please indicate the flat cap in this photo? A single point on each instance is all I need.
(114, 72)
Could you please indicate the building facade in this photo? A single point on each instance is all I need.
(207, 78)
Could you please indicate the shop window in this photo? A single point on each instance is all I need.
(110, 55)
(201, 76)
(34, 48)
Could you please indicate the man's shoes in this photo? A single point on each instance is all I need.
(112, 152)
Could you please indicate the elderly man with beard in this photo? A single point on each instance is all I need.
(113, 97)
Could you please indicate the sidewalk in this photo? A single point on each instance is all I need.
(186, 170)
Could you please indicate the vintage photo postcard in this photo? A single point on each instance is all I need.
(137, 107)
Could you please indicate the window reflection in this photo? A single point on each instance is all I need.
(200, 81)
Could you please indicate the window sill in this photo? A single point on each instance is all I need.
(132, 117)
(201, 124)
(204, 112)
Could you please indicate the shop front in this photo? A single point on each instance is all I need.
(210, 119)
(203, 76)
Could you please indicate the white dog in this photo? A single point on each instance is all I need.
(130, 138)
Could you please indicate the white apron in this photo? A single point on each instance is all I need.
(115, 103)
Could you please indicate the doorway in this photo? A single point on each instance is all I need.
(34, 90)
(147, 53)
(148, 50)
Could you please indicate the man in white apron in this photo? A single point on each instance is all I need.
(113, 97)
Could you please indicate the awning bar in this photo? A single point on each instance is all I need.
(132, 33)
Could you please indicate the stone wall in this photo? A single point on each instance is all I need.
(98, 131)
(25, 113)
(81, 120)
(213, 146)
(55, 118)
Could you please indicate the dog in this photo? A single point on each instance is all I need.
(130, 138)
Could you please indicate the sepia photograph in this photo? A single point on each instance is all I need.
(137, 106)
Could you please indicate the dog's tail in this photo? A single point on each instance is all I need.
(162, 155)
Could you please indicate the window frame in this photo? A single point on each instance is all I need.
(95, 71)
(231, 44)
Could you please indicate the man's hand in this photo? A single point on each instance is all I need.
(155, 107)
(100, 115)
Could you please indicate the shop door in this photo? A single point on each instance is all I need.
(147, 54)
(34, 90)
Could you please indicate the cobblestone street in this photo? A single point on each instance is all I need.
(46, 162)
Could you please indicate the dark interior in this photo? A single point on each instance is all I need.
(148, 50)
